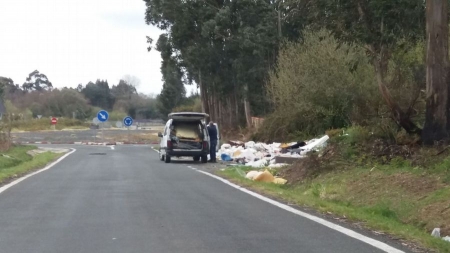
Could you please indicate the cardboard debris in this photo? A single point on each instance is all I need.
(264, 176)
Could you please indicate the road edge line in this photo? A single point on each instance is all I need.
(375, 243)
(7, 186)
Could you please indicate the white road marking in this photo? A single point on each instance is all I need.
(6, 187)
(112, 147)
(346, 231)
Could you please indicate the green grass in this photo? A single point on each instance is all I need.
(17, 162)
(377, 204)
(44, 124)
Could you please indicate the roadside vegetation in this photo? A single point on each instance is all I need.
(363, 72)
(44, 124)
(394, 189)
(16, 162)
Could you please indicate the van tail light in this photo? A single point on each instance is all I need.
(205, 145)
(169, 144)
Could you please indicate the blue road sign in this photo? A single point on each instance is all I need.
(102, 116)
(127, 121)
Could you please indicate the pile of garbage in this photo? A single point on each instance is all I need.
(259, 155)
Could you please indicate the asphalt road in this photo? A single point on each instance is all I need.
(126, 200)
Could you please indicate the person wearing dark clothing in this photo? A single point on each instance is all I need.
(212, 130)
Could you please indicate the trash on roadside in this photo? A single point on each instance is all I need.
(279, 180)
(436, 232)
(447, 238)
(252, 174)
(264, 176)
(225, 157)
(258, 154)
(236, 143)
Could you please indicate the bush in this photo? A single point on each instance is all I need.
(190, 106)
(320, 84)
(116, 116)
(317, 86)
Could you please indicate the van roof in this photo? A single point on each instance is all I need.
(188, 115)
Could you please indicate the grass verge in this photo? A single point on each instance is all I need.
(381, 200)
(16, 162)
(44, 124)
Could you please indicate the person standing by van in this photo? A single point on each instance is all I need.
(212, 130)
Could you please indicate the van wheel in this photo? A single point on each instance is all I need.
(167, 159)
(204, 159)
(196, 158)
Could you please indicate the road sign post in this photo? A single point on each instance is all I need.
(128, 121)
(53, 121)
(102, 116)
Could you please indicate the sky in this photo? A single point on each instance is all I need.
(77, 41)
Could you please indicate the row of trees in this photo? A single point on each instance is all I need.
(230, 49)
(224, 47)
(38, 97)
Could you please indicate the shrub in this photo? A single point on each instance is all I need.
(319, 86)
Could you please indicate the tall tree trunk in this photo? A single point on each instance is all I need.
(437, 119)
(211, 104)
(229, 111)
(398, 114)
(202, 92)
(216, 108)
(248, 115)
(236, 111)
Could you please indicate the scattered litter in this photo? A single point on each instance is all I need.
(436, 232)
(252, 174)
(447, 238)
(277, 165)
(279, 180)
(258, 164)
(264, 176)
(259, 155)
(226, 158)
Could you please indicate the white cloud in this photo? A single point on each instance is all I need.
(78, 41)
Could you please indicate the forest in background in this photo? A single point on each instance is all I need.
(37, 97)
(305, 66)
(309, 65)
